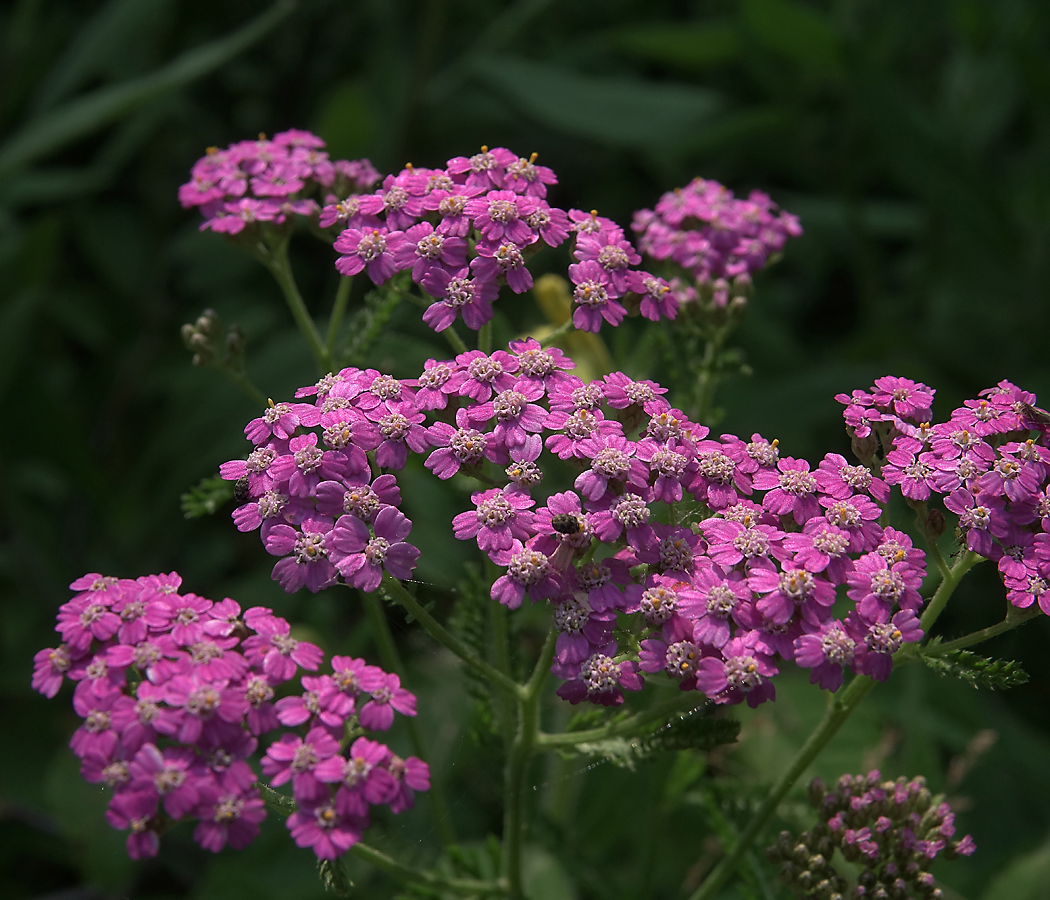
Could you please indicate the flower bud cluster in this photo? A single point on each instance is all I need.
(892, 830)
(704, 558)
(175, 692)
(713, 235)
(989, 464)
(268, 180)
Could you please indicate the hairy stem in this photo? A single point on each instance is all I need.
(1014, 617)
(391, 660)
(947, 587)
(445, 637)
(391, 866)
(485, 337)
(682, 703)
(450, 334)
(521, 751)
(837, 712)
(280, 267)
(342, 295)
(565, 328)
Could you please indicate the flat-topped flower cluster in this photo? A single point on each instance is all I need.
(467, 229)
(988, 463)
(269, 180)
(710, 559)
(175, 692)
(891, 830)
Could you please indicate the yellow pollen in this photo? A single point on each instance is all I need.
(594, 214)
(212, 150)
(775, 442)
(484, 148)
(533, 157)
(408, 166)
(270, 401)
(262, 135)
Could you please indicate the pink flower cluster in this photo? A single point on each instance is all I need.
(713, 235)
(465, 230)
(175, 692)
(311, 489)
(268, 180)
(723, 553)
(989, 463)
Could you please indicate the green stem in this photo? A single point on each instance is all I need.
(244, 383)
(281, 270)
(1014, 617)
(521, 751)
(947, 587)
(565, 328)
(443, 636)
(450, 334)
(501, 645)
(392, 867)
(391, 660)
(284, 805)
(707, 380)
(485, 337)
(342, 295)
(660, 713)
(837, 712)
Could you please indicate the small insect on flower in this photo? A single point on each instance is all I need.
(242, 491)
(1034, 414)
(566, 523)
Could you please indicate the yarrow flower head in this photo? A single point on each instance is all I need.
(175, 694)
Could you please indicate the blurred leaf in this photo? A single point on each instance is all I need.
(346, 121)
(977, 671)
(80, 117)
(544, 877)
(794, 31)
(105, 35)
(1027, 877)
(689, 46)
(206, 498)
(618, 111)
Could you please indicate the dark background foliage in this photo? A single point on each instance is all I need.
(913, 139)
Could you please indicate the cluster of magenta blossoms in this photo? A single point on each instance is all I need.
(892, 830)
(720, 557)
(989, 464)
(712, 235)
(175, 692)
(269, 180)
(467, 229)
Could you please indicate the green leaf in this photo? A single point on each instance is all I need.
(618, 111)
(795, 32)
(206, 498)
(977, 671)
(688, 46)
(103, 36)
(99, 108)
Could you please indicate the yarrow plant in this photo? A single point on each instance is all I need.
(664, 552)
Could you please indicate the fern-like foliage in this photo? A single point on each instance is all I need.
(695, 731)
(469, 622)
(206, 497)
(367, 323)
(977, 671)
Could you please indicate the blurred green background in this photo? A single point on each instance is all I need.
(913, 139)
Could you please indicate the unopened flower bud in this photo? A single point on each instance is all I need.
(817, 792)
(737, 306)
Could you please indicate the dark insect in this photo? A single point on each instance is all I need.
(1034, 414)
(565, 523)
(241, 491)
